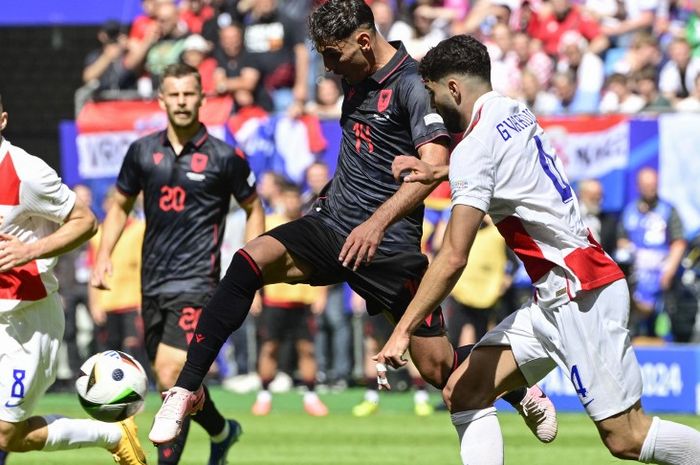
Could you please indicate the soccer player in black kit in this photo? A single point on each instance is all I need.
(187, 178)
(364, 229)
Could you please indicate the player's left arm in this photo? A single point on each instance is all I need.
(79, 226)
(362, 243)
(441, 277)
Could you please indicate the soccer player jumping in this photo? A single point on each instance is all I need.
(506, 167)
(365, 228)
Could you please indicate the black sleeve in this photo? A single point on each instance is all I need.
(426, 124)
(239, 177)
(295, 31)
(675, 226)
(129, 179)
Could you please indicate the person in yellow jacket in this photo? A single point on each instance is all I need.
(480, 287)
(288, 311)
(116, 313)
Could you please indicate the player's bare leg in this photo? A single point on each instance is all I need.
(307, 370)
(267, 370)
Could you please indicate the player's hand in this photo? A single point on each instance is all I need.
(392, 352)
(100, 272)
(411, 169)
(361, 244)
(14, 252)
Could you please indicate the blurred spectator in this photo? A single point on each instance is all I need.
(144, 23)
(428, 30)
(194, 13)
(692, 102)
(195, 52)
(651, 234)
(677, 77)
(692, 28)
(560, 16)
(328, 102)
(73, 272)
(317, 177)
(484, 15)
(538, 100)
(671, 19)
(505, 72)
(288, 311)
(644, 52)
(276, 46)
(234, 75)
(631, 16)
(161, 46)
(588, 67)
(225, 14)
(645, 83)
(602, 225)
(619, 96)
(269, 190)
(385, 22)
(116, 312)
(570, 99)
(105, 72)
(528, 54)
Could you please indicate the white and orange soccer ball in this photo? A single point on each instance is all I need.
(112, 386)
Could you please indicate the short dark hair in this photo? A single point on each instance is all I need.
(460, 55)
(336, 20)
(178, 70)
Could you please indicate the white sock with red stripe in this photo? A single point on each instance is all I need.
(480, 436)
(68, 433)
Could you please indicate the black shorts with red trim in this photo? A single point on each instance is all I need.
(170, 320)
(277, 323)
(387, 284)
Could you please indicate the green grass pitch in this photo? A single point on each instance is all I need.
(394, 436)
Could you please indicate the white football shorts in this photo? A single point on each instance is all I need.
(29, 342)
(587, 338)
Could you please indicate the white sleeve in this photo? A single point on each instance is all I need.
(472, 175)
(43, 194)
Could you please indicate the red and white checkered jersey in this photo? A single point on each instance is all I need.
(33, 204)
(505, 166)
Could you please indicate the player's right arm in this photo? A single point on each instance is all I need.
(112, 229)
(411, 169)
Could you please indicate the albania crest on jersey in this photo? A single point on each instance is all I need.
(199, 162)
(384, 100)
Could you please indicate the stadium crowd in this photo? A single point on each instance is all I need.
(559, 56)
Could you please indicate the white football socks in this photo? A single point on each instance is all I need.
(669, 443)
(68, 433)
(480, 438)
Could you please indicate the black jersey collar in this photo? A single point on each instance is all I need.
(388, 69)
(199, 138)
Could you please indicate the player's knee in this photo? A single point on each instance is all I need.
(462, 394)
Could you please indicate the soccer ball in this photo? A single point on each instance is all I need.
(112, 386)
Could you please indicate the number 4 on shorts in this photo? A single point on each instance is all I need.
(576, 381)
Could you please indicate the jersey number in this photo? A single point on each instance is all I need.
(550, 168)
(576, 381)
(362, 133)
(172, 198)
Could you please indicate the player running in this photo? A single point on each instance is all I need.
(40, 219)
(365, 228)
(506, 167)
(187, 178)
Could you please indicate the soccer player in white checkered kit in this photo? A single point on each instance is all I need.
(40, 219)
(365, 228)
(505, 166)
